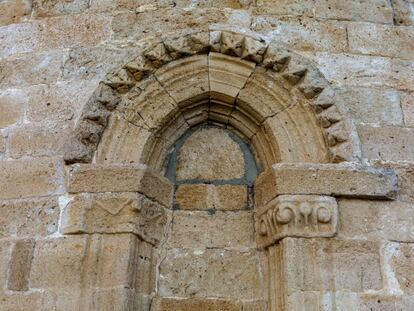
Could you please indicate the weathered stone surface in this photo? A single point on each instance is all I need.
(57, 103)
(384, 40)
(40, 301)
(367, 71)
(403, 12)
(376, 220)
(296, 216)
(403, 265)
(57, 263)
(210, 153)
(148, 105)
(227, 76)
(210, 272)
(27, 178)
(30, 69)
(87, 263)
(5, 254)
(54, 33)
(375, 11)
(305, 34)
(94, 62)
(36, 141)
(321, 264)
(14, 11)
(194, 304)
(122, 142)
(119, 178)
(186, 79)
(130, 25)
(324, 179)
(43, 8)
(20, 264)
(387, 143)
(205, 196)
(12, 103)
(218, 230)
(372, 105)
(115, 213)
(29, 217)
(407, 103)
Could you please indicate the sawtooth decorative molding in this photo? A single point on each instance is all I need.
(258, 88)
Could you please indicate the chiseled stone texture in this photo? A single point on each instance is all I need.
(36, 217)
(206, 196)
(29, 178)
(202, 157)
(211, 272)
(387, 143)
(195, 229)
(323, 264)
(200, 252)
(376, 220)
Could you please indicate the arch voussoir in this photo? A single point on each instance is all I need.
(235, 78)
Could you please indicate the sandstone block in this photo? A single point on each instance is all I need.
(148, 105)
(303, 35)
(387, 143)
(26, 178)
(36, 141)
(206, 196)
(46, 8)
(402, 265)
(193, 80)
(57, 263)
(115, 213)
(211, 272)
(195, 304)
(403, 12)
(20, 264)
(377, 71)
(29, 217)
(119, 178)
(374, 11)
(324, 179)
(12, 104)
(14, 11)
(5, 255)
(407, 103)
(39, 301)
(31, 69)
(54, 33)
(94, 62)
(376, 220)
(296, 216)
(220, 230)
(325, 263)
(2, 146)
(225, 84)
(122, 142)
(130, 25)
(210, 154)
(371, 105)
(60, 102)
(383, 40)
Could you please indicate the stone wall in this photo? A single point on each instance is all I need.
(99, 238)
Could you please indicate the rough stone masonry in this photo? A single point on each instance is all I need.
(232, 155)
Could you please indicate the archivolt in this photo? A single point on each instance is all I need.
(277, 100)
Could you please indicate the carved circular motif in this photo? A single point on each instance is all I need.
(323, 214)
(285, 214)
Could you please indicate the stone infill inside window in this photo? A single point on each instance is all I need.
(212, 169)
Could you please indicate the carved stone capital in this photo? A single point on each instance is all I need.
(296, 216)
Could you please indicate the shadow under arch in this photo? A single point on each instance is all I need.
(275, 99)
